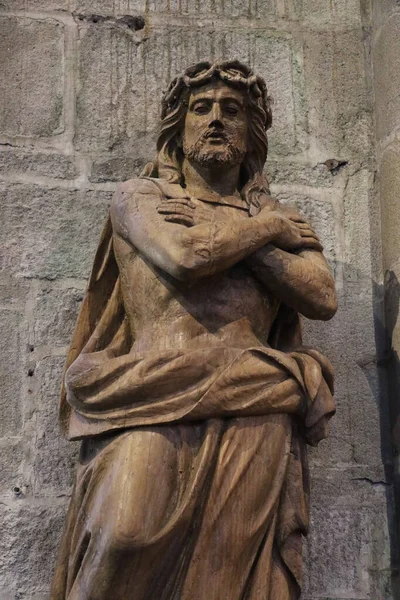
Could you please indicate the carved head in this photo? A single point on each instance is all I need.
(215, 131)
(215, 114)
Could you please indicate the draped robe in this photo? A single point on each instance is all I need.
(192, 482)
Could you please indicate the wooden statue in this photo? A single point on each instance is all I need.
(187, 381)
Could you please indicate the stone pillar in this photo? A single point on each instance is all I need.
(386, 67)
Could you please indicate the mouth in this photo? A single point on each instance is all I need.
(216, 139)
(215, 136)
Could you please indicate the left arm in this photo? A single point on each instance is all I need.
(302, 280)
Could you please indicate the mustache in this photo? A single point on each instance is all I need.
(211, 133)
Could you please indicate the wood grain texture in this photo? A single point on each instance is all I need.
(187, 380)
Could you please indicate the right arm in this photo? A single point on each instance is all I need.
(185, 253)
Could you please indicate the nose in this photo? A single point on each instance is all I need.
(216, 115)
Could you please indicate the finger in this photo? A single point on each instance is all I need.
(179, 213)
(166, 208)
(312, 237)
(303, 225)
(312, 243)
(172, 190)
(296, 218)
(177, 217)
(305, 233)
(181, 201)
(311, 240)
(180, 219)
(178, 201)
(304, 228)
(174, 216)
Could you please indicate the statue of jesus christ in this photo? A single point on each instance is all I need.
(187, 381)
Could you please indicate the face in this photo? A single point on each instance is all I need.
(215, 126)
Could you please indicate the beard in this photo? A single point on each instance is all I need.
(226, 154)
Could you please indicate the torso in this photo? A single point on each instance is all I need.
(227, 309)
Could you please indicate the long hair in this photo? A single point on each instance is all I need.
(167, 164)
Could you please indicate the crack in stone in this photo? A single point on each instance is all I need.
(135, 23)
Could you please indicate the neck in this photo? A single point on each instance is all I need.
(220, 180)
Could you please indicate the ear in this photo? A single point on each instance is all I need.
(150, 169)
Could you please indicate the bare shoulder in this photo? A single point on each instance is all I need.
(133, 207)
(134, 188)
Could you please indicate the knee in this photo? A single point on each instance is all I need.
(128, 535)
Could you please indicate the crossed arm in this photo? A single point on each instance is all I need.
(186, 253)
(301, 280)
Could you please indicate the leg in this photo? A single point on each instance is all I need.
(241, 511)
(137, 499)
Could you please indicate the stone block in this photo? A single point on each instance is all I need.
(389, 183)
(28, 547)
(230, 8)
(38, 5)
(340, 123)
(318, 14)
(12, 477)
(48, 372)
(357, 231)
(9, 594)
(21, 162)
(319, 213)
(119, 99)
(285, 172)
(119, 168)
(328, 336)
(11, 372)
(108, 7)
(52, 457)
(13, 291)
(349, 342)
(358, 327)
(31, 51)
(348, 549)
(55, 313)
(343, 544)
(50, 232)
(386, 60)
(351, 486)
(210, 8)
(382, 10)
(367, 410)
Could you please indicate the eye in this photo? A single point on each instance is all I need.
(201, 109)
(231, 110)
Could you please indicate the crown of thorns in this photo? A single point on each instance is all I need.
(233, 73)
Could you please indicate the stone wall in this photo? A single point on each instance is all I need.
(386, 68)
(82, 81)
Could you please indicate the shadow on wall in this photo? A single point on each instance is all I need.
(368, 419)
(391, 421)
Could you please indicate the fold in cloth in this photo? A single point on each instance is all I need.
(134, 390)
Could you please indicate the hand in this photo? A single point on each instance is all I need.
(177, 210)
(292, 233)
(309, 238)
